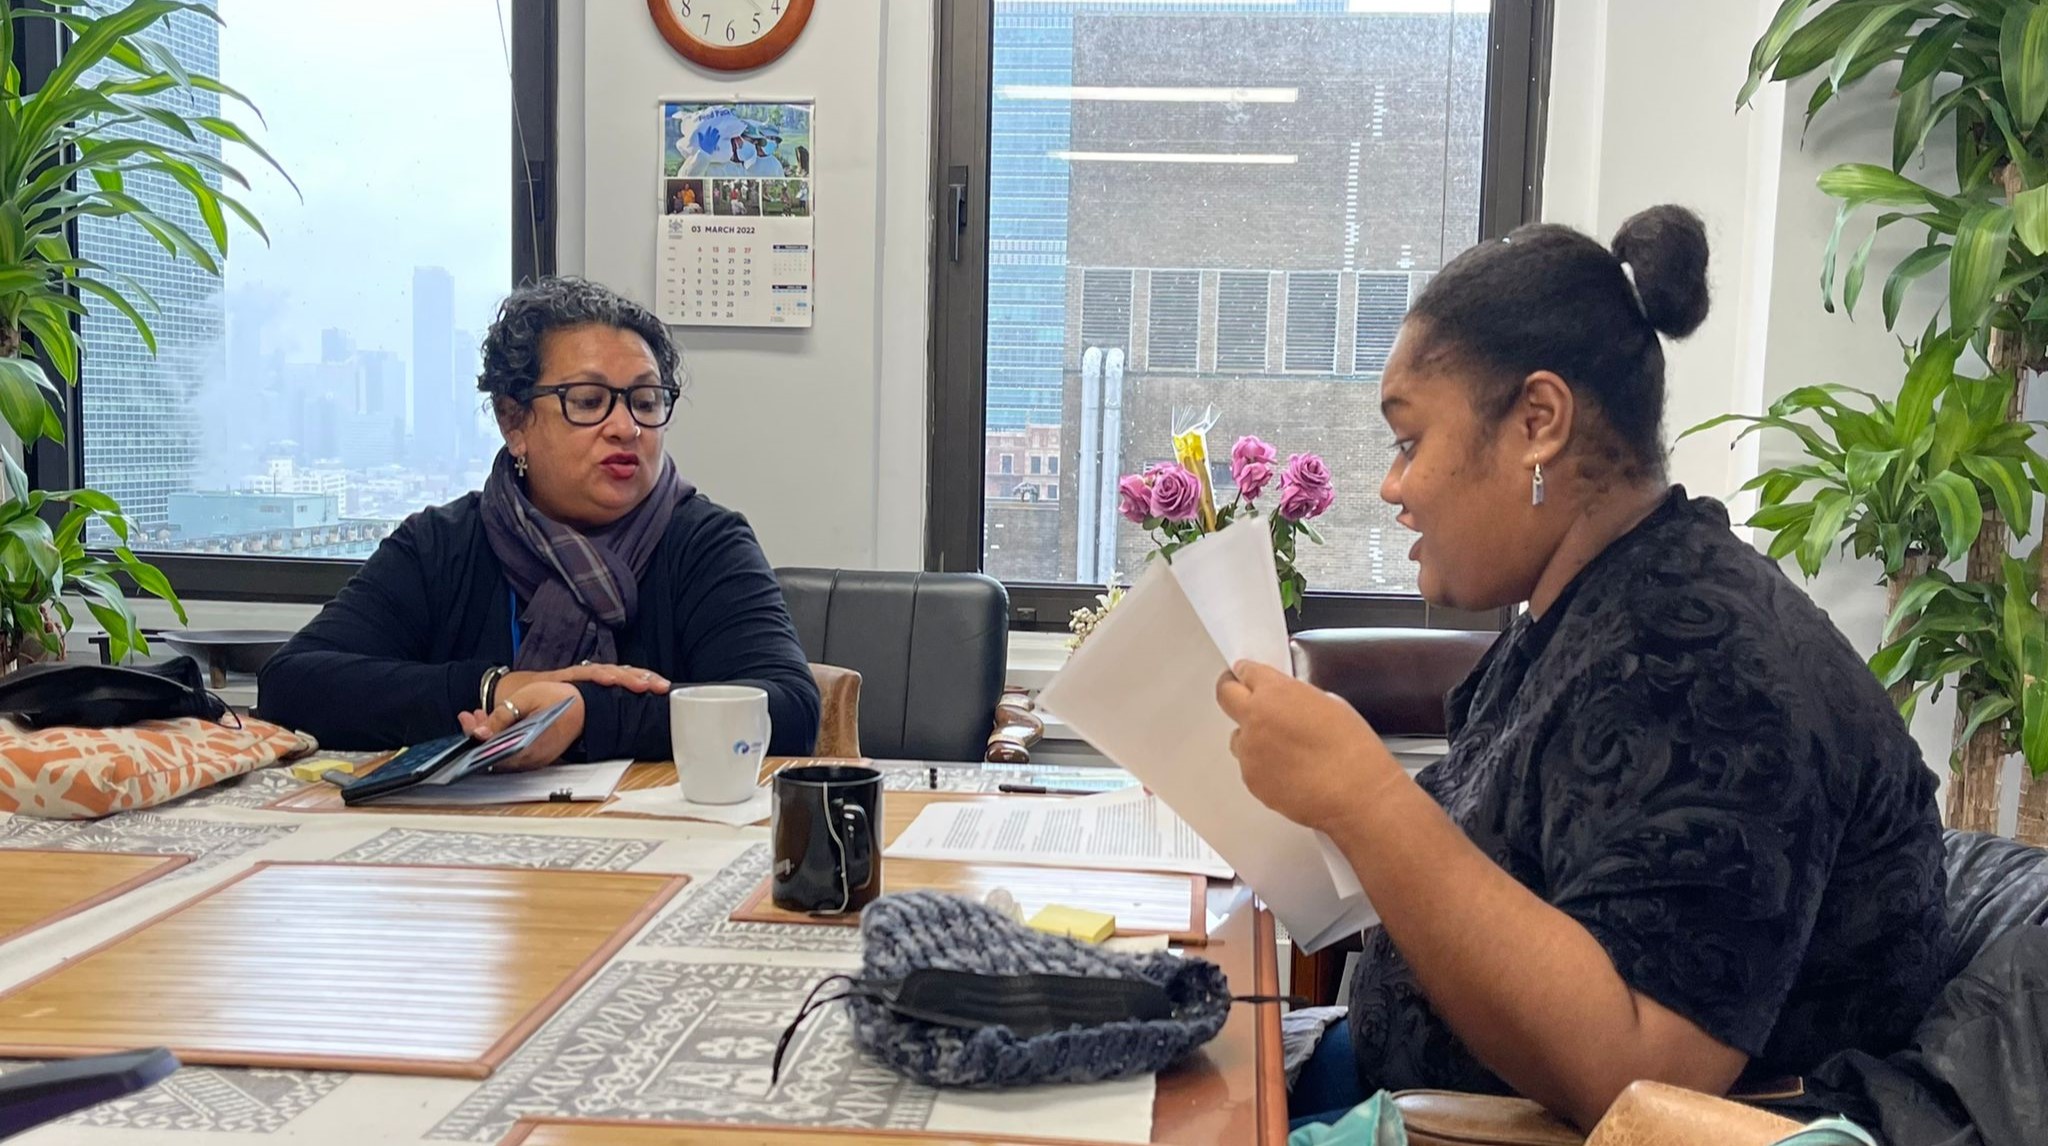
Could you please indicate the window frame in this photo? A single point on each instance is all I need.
(534, 28)
(1517, 92)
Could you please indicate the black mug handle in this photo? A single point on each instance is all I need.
(860, 844)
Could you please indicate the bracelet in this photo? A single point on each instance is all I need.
(487, 692)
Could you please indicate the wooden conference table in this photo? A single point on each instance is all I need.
(663, 1036)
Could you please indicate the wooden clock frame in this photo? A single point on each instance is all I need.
(765, 50)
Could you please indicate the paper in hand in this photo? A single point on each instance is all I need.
(1142, 691)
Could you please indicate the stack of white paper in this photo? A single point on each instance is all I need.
(1117, 831)
(1142, 690)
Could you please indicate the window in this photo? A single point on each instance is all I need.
(1052, 465)
(1174, 321)
(1037, 463)
(1247, 200)
(1242, 303)
(1312, 323)
(1382, 301)
(302, 405)
(1008, 461)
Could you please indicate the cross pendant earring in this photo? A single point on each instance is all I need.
(519, 467)
(1536, 486)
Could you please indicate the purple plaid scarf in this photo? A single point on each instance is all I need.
(578, 587)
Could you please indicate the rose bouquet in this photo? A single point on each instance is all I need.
(1175, 503)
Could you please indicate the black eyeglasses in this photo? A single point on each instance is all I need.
(590, 403)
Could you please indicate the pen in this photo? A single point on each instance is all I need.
(1040, 790)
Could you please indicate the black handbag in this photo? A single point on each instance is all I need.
(86, 695)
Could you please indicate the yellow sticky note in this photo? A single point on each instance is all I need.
(311, 770)
(1074, 923)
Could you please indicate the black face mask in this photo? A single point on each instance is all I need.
(1029, 1005)
(79, 695)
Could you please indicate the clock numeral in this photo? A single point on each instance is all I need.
(776, 7)
(757, 25)
(731, 33)
(707, 24)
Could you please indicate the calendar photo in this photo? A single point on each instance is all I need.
(734, 207)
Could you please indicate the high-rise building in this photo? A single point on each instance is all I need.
(436, 437)
(1221, 207)
(336, 345)
(142, 428)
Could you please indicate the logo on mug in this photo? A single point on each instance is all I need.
(746, 747)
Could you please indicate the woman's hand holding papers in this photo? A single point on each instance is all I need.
(1304, 753)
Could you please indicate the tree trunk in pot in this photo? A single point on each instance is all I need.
(2033, 825)
(1973, 790)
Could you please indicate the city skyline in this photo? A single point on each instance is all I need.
(299, 372)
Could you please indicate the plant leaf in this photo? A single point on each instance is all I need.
(1988, 709)
(1976, 263)
(2006, 478)
(1867, 34)
(1925, 59)
(1957, 511)
(25, 397)
(1830, 509)
(1865, 466)
(2034, 726)
(2030, 218)
(1914, 117)
(1772, 45)
(2023, 63)
(1931, 372)
(1911, 267)
(1869, 183)
(1924, 588)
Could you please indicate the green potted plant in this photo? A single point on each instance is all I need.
(1889, 479)
(66, 150)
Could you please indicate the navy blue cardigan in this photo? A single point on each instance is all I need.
(391, 660)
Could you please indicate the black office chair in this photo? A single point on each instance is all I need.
(931, 650)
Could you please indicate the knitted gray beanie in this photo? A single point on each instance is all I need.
(914, 930)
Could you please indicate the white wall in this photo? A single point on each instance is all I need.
(817, 436)
(1637, 119)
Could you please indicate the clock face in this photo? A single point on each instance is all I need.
(728, 23)
(730, 35)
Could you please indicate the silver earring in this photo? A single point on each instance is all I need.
(1536, 486)
(519, 467)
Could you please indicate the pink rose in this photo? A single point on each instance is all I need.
(1305, 488)
(1251, 466)
(1134, 498)
(1306, 470)
(1252, 478)
(1176, 493)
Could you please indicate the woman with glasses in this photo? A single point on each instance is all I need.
(586, 570)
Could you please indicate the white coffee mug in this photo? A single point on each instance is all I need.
(719, 733)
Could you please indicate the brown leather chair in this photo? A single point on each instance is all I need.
(1646, 1114)
(838, 711)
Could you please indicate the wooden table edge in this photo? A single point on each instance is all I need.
(167, 863)
(526, 1127)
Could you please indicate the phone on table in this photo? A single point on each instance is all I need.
(39, 1094)
(450, 759)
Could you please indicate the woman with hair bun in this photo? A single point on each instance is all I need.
(1680, 832)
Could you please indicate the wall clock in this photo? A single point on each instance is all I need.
(730, 35)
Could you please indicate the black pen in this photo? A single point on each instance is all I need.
(1040, 790)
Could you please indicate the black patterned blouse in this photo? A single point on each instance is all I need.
(1688, 758)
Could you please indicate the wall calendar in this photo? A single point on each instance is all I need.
(734, 243)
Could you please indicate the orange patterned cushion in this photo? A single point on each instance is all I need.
(84, 773)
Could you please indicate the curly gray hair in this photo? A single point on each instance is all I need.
(511, 351)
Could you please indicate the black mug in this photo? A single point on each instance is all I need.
(828, 857)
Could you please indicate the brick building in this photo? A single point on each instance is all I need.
(1264, 278)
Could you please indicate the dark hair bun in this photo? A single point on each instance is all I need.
(1666, 247)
